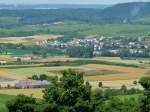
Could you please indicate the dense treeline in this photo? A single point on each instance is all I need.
(71, 94)
(47, 16)
(80, 51)
(121, 13)
(27, 22)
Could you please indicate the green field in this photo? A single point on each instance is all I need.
(135, 96)
(3, 100)
(19, 52)
(80, 30)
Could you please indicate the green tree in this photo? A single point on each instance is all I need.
(51, 108)
(21, 103)
(43, 77)
(100, 84)
(35, 77)
(19, 60)
(118, 105)
(124, 88)
(145, 100)
(69, 91)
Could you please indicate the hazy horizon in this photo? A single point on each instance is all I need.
(104, 2)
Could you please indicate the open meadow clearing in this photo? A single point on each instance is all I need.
(55, 58)
(3, 99)
(128, 73)
(117, 59)
(93, 72)
(34, 92)
(29, 40)
(29, 71)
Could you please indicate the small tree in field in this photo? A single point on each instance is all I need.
(100, 84)
(19, 60)
(123, 88)
(135, 82)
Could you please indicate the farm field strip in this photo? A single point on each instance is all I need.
(34, 92)
(116, 84)
(118, 72)
(129, 73)
(28, 39)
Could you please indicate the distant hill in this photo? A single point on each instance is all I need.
(127, 12)
(127, 9)
(76, 21)
(135, 12)
(51, 6)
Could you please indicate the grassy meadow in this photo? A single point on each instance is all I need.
(71, 30)
(28, 40)
(3, 99)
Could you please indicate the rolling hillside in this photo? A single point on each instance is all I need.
(117, 20)
(128, 10)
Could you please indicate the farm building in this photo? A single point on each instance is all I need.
(24, 57)
(7, 82)
(26, 83)
(2, 62)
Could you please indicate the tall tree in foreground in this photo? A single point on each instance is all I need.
(145, 100)
(70, 92)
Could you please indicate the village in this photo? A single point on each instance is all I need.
(111, 46)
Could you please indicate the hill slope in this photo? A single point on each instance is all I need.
(128, 9)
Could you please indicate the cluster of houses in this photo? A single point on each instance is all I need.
(112, 45)
(42, 43)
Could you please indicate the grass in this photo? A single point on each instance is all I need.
(135, 96)
(19, 52)
(93, 72)
(80, 30)
(96, 71)
(3, 99)
(28, 40)
(111, 75)
(127, 73)
(8, 94)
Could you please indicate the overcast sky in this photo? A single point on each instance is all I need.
(68, 1)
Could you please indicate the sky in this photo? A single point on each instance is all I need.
(68, 1)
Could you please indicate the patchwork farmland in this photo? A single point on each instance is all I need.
(111, 75)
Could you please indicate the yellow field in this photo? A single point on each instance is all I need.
(55, 58)
(117, 59)
(123, 75)
(95, 72)
(28, 40)
(128, 73)
(6, 58)
(35, 92)
(7, 74)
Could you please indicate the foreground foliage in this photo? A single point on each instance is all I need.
(71, 93)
